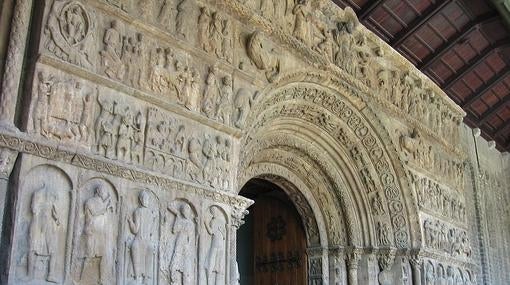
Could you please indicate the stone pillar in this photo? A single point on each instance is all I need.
(237, 221)
(416, 262)
(372, 269)
(353, 258)
(14, 62)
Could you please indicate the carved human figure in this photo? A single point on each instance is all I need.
(143, 225)
(183, 19)
(146, 8)
(345, 41)
(429, 274)
(182, 260)
(227, 44)
(225, 100)
(215, 261)
(242, 106)
(211, 94)
(383, 232)
(216, 33)
(204, 27)
(125, 136)
(376, 203)
(195, 163)
(111, 53)
(138, 139)
(301, 25)
(87, 114)
(43, 232)
(192, 97)
(209, 150)
(97, 211)
(40, 116)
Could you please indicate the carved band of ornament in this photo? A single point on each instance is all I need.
(21, 143)
(155, 100)
(362, 132)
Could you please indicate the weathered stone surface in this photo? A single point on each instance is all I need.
(127, 140)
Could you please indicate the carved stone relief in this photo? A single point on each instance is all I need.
(95, 241)
(70, 33)
(441, 273)
(443, 237)
(48, 193)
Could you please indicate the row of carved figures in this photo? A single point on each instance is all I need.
(447, 275)
(445, 238)
(133, 60)
(423, 154)
(137, 241)
(69, 110)
(439, 199)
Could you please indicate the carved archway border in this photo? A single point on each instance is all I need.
(348, 104)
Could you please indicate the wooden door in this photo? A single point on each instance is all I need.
(279, 248)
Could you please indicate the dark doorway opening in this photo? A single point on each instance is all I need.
(271, 245)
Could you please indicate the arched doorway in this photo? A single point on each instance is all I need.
(272, 243)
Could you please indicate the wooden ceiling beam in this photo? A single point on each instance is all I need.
(368, 8)
(494, 110)
(504, 127)
(455, 39)
(418, 22)
(474, 62)
(495, 80)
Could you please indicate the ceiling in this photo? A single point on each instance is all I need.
(462, 45)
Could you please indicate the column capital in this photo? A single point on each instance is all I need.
(238, 214)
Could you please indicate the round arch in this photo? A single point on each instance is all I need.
(323, 123)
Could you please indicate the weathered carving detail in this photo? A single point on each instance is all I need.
(7, 160)
(438, 199)
(69, 33)
(216, 255)
(424, 155)
(97, 245)
(63, 108)
(445, 238)
(182, 247)
(437, 274)
(386, 260)
(263, 56)
(143, 246)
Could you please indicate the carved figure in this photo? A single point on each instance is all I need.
(216, 33)
(195, 163)
(242, 105)
(183, 19)
(146, 8)
(215, 262)
(192, 89)
(429, 274)
(125, 136)
(211, 94)
(204, 26)
(143, 224)
(41, 108)
(383, 232)
(264, 57)
(181, 265)
(225, 101)
(345, 41)
(43, 233)
(209, 150)
(97, 210)
(227, 44)
(69, 31)
(376, 203)
(111, 53)
(267, 8)
(301, 25)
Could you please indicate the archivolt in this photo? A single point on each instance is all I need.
(343, 138)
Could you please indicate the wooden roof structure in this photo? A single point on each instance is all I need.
(462, 45)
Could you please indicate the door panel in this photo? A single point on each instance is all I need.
(279, 244)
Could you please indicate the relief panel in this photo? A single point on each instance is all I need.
(44, 227)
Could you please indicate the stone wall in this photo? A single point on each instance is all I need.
(128, 128)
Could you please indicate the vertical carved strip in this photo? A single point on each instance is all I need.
(238, 214)
(13, 67)
(353, 259)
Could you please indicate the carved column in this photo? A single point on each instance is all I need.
(14, 63)
(416, 262)
(353, 258)
(7, 160)
(238, 214)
